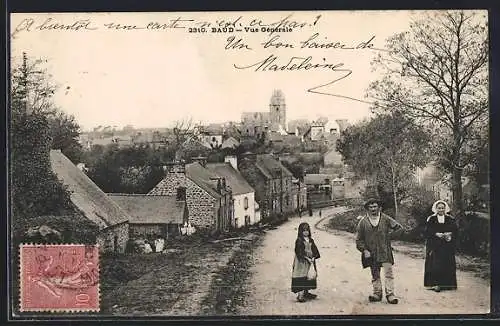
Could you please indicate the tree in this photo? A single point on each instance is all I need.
(65, 132)
(32, 89)
(126, 170)
(296, 167)
(437, 73)
(35, 189)
(386, 150)
(32, 92)
(182, 130)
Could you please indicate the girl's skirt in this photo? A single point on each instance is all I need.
(299, 276)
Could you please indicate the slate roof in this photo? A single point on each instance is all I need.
(203, 178)
(85, 194)
(256, 117)
(195, 172)
(317, 179)
(150, 209)
(269, 166)
(231, 142)
(234, 179)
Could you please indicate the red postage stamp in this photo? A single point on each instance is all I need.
(59, 278)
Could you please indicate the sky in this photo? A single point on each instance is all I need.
(151, 78)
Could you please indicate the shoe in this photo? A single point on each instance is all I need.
(301, 298)
(437, 288)
(374, 298)
(311, 295)
(392, 299)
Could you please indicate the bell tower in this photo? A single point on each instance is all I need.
(277, 108)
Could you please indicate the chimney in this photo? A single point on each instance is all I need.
(233, 160)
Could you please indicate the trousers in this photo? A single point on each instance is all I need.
(377, 281)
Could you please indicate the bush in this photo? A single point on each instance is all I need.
(474, 235)
(35, 189)
(347, 221)
(73, 228)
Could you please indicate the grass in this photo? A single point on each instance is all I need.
(229, 284)
(154, 283)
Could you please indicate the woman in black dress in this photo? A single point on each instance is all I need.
(441, 233)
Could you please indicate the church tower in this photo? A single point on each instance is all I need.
(277, 108)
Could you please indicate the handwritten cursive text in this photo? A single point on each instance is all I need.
(28, 25)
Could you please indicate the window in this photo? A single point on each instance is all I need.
(245, 203)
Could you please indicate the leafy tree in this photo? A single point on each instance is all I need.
(437, 73)
(387, 150)
(65, 132)
(127, 170)
(297, 168)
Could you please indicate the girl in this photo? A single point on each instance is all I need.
(306, 253)
(441, 233)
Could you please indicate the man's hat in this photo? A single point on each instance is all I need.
(371, 201)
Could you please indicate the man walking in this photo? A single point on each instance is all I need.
(375, 231)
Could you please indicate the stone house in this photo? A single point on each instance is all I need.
(243, 193)
(207, 196)
(152, 216)
(94, 204)
(272, 183)
(299, 197)
(322, 188)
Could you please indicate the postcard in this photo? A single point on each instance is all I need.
(274, 163)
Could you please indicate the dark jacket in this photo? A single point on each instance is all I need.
(300, 249)
(377, 240)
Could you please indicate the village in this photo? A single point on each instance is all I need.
(186, 196)
(226, 203)
(242, 190)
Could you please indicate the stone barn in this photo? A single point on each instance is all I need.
(152, 216)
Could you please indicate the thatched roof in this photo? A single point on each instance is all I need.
(85, 194)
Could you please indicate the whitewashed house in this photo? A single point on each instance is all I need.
(243, 194)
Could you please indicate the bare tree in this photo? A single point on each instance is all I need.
(183, 129)
(437, 74)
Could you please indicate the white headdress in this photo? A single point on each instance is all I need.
(447, 208)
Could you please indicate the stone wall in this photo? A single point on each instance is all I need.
(299, 195)
(280, 193)
(114, 238)
(141, 231)
(202, 207)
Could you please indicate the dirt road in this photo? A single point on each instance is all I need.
(343, 286)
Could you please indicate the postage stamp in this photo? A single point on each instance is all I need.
(59, 278)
